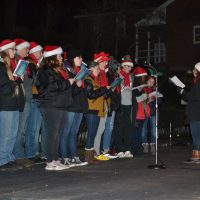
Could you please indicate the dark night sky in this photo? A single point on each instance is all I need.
(53, 21)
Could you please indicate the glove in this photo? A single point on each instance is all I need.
(179, 90)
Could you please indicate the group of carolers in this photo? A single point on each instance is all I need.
(47, 102)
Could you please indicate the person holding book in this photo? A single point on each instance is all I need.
(55, 95)
(151, 121)
(192, 97)
(126, 113)
(35, 122)
(11, 102)
(104, 125)
(74, 113)
(20, 145)
(97, 108)
(143, 111)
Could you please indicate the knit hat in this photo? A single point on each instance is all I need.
(139, 71)
(197, 66)
(113, 64)
(126, 60)
(34, 47)
(21, 44)
(52, 50)
(73, 53)
(93, 64)
(6, 44)
(100, 57)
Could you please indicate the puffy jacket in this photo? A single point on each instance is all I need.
(54, 90)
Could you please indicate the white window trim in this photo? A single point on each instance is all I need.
(194, 28)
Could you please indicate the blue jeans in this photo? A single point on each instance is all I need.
(19, 148)
(68, 140)
(137, 136)
(108, 131)
(34, 125)
(9, 121)
(195, 128)
(92, 121)
(152, 121)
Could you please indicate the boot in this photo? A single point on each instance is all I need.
(153, 149)
(195, 157)
(145, 147)
(89, 157)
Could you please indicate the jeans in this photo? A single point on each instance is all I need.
(92, 121)
(195, 127)
(137, 136)
(108, 131)
(54, 124)
(68, 140)
(152, 121)
(33, 130)
(22, 134)
(9, 121)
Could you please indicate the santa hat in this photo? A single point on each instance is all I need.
(126, 60)
(139, 71)
(197, 66)
(100, 57)
(51, 51)
(21, 44)
(34, 47)
(6, 44)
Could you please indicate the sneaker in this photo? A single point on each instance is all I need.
(121, 155)
(24, 162)
(56, 166)
(128, 154)
(11, 166)
(145, 147)
(68, 162)
(110, 156)
(192, 161)
(101, 157)
(77, 162)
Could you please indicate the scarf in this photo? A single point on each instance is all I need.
(103, 79)
(96, 78)
(33, 58)
(126, 77)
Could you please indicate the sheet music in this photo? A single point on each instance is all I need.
(177, 82)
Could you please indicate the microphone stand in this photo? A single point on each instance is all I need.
(156, 165)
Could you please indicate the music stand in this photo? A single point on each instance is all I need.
(156, 165)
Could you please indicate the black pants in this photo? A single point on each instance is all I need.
(123, 129)
(54, 123)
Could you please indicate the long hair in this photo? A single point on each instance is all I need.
(53, 63)
(7, 61)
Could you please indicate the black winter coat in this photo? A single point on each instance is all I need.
(193, 102)
(11, 92)
(79, 98)
(54, 90)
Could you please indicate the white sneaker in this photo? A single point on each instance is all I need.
(56, 166)
(128, 154)
(77, 162)
(110, 156)
(68, 162)
(121, 155)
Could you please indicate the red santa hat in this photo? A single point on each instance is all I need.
(197, 66)
(21, 44)
(100, 57)
(34, 47)
(51, 51)
(126, 60)
(139, 71)
(6, 44)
